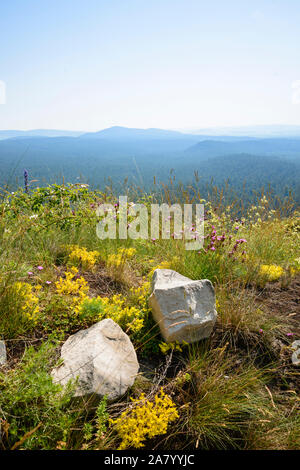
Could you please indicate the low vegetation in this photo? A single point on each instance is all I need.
(238, 389)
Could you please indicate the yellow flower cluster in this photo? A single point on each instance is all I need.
(176, 346)
(70, 286)
(30, 307)
(271, 272)
(115, 308)
(140, 294)
(146, 420)
(123, 254)
(162, 265)
(127, 317)
(83, 257)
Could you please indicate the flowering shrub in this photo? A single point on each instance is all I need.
(112, 307)
(125, 316)
(146, 420)
(139, 295)
(123, 254)
(117, 264)
(270, 272)
(129, 315)
(72, 285)
(89, 309)
(224, 243)
(81, 256)
(29, 301)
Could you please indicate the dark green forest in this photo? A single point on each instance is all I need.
(110, 157)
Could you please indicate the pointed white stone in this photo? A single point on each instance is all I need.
(185, 310)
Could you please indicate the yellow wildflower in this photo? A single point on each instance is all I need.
(82, 257)
(70, 286)
(271, 272)
(115, 308)
(175, 346)
(29, 300)
(123, 254)
(146, 420)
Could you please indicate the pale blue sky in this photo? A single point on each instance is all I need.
(90, 64)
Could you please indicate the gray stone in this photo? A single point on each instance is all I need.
(185, 310)
(296, 354)
(102, 358)
(3, 355)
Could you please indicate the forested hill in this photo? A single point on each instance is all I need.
(140, 155)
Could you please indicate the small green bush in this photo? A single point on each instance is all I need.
(35, 413)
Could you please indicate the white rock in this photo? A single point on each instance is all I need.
(296, 354)
(3, 355)
(184, 309)
(102, 358)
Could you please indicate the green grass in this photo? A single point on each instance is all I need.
(223, 387)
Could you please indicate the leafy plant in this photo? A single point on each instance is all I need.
(35, 412)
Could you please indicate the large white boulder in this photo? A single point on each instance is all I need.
(102, 358)
(185, 310)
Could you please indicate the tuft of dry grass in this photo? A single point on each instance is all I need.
(242, 318)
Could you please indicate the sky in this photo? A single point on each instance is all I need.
(174, 64)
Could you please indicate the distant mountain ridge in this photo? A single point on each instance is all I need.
(121, 132)
(138, 155)
(118, 133)
(11, 134)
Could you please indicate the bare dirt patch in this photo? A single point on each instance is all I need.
(101, 284)
(283, 301)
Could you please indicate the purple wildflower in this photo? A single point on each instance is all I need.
(26, 181)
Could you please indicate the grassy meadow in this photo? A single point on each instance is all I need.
(236, 390)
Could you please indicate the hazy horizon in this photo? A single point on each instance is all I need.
(261, 129)
(87, 66)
